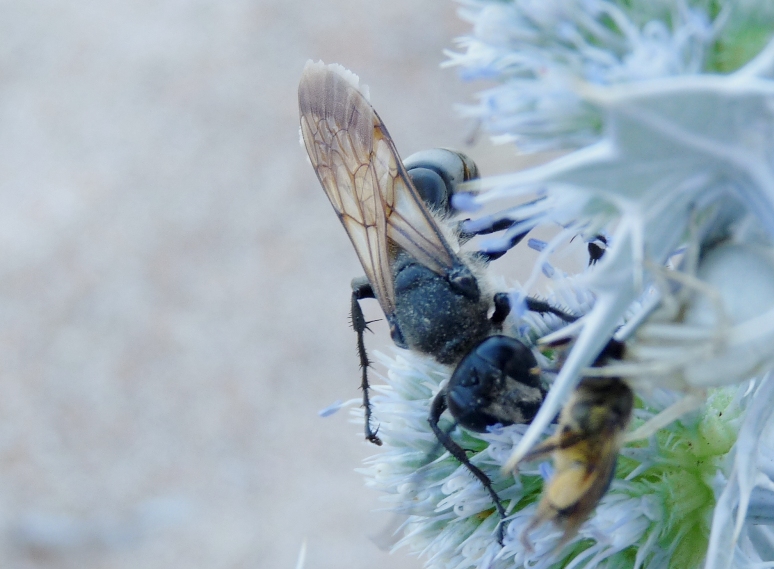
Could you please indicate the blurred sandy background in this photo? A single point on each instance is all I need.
(174, 285)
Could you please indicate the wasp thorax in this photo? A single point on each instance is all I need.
(444, 316)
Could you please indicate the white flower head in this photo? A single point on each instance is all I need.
(671, 160)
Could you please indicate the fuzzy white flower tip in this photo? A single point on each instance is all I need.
(336, 406)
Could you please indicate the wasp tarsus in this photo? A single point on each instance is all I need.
(597, 248)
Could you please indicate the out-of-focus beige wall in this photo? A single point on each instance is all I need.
(174, 285)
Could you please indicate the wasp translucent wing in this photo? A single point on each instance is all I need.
(364, 178)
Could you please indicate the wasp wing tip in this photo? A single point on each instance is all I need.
(317, 69)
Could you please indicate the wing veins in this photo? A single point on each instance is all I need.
(361, 172)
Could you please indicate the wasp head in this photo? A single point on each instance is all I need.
(498, 382)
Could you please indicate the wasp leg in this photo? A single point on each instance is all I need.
(502, 309)
(436, 410)
(361, 289)
(494, 226)
(513, 240)
(596, 248)
(487, 226)
(502, 306)
(468, 229)
(542, 307)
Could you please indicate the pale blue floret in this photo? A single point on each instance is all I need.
(537, 244)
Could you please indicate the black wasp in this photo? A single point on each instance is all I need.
(433, 296)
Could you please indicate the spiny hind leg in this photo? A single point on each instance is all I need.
(361, 289)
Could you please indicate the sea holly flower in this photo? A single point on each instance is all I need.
(668, 143)
(668, 105)
(661, 165)
(656, 514)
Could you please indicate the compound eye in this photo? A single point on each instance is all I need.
(432, 188)
(452, 167)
